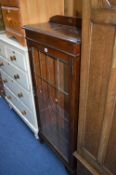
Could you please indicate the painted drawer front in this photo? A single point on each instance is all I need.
(27, 114)
(2, 50)
(16, 58)
(20, 92)
(15, 73)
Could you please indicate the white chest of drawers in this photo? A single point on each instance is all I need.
(16, 75)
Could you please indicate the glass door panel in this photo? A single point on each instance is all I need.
(52, 89)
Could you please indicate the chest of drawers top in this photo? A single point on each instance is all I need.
(12, 42)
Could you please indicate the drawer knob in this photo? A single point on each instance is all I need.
(16, 77)
(24, 113)
(46, 50)
(20, 95)
(5, 81)
(1, 64)
(56, 100)
(12, 58)
(9, 97)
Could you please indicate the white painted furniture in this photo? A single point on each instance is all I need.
(16, 75)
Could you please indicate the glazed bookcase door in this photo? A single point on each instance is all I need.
(52, 80)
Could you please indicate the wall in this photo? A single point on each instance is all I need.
(73, 7)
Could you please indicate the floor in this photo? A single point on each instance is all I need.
(20, 152)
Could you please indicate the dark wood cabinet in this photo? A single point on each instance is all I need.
(54, 51)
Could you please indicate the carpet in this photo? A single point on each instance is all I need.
(20, 152)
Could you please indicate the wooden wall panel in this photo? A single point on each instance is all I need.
(113, 2)
(100, 65)
(97, 115)
(78, 7)
(110, 159)
(68, 7)
(73, 7)
(103, 3)
(42, 10)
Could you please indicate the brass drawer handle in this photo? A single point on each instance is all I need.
(20, 94)
(9, 97)
(24, 113)
(16, 77)
(12, 58)
(5, 81)
(1, 64)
